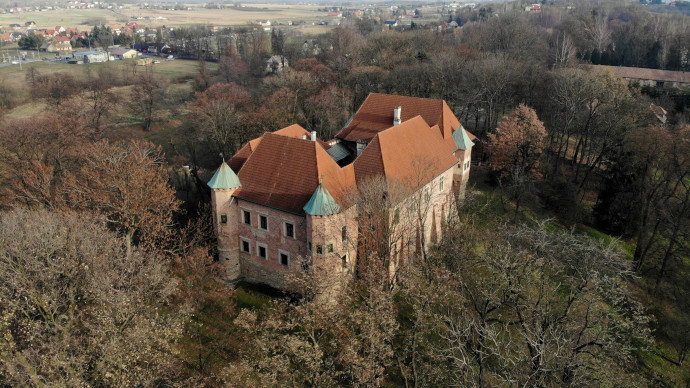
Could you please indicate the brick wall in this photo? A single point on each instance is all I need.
(273, 239)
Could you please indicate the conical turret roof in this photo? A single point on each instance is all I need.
(462, 140)
(321, 203)
(224, 178)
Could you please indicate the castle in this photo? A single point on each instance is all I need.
(286, 201)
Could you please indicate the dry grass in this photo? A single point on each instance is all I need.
(281, 13)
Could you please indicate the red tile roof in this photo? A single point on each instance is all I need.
(376, 114)
(644, 74)
(411, 153)
(294, 130)
(282, 170)
(283, 173)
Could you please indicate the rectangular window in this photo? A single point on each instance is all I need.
(223, 218)
(309, 246)
(245, 245)
(343, 233)
(284, 257)
(247, 217)
(440, 184)
(319, 249)
(263, 222)
(289, 229)
(261, 250)
(329, 248)
(343, 261)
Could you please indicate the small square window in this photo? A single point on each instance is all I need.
(223, 218)
(329, 248)
(319, 249)
(284, 258)
(247, 217)
(261, 250)
(263, 222)
(289, 229)
(245, 245)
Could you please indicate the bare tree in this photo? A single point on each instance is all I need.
(77, 310)
(128, 184)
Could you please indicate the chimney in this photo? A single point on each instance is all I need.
(313, 135)
(396, 115)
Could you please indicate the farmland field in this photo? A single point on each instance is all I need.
(280, 13)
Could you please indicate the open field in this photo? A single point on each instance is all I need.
(177, 74)
(222, 17)
(63, 17)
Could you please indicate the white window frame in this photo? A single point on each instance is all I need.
(294, 231)
(259, 222)
(280, 258)
(249, 244)
(258, 251)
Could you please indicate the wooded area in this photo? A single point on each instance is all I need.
(567, 264)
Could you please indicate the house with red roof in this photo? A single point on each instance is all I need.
(288, 202)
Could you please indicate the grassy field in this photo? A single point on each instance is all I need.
(223, 17)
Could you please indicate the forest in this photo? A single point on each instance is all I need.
(566, 265)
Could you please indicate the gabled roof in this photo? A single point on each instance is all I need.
(321, 203)
(411, 153)
(462, 139)
(294, 130)
(121, 51)
(224, 178)
(283, 172)
(376, 115)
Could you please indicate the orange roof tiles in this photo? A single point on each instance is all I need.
(282, 169)
(293, 130)
(376, 114)
(283, 173)
(426, 154)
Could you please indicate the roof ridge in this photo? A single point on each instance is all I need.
(403, 96)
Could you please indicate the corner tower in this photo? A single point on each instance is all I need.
(224, 185)
(461, 173)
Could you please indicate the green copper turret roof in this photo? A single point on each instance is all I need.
(321, 203)
(224, 178)
(462, 140)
